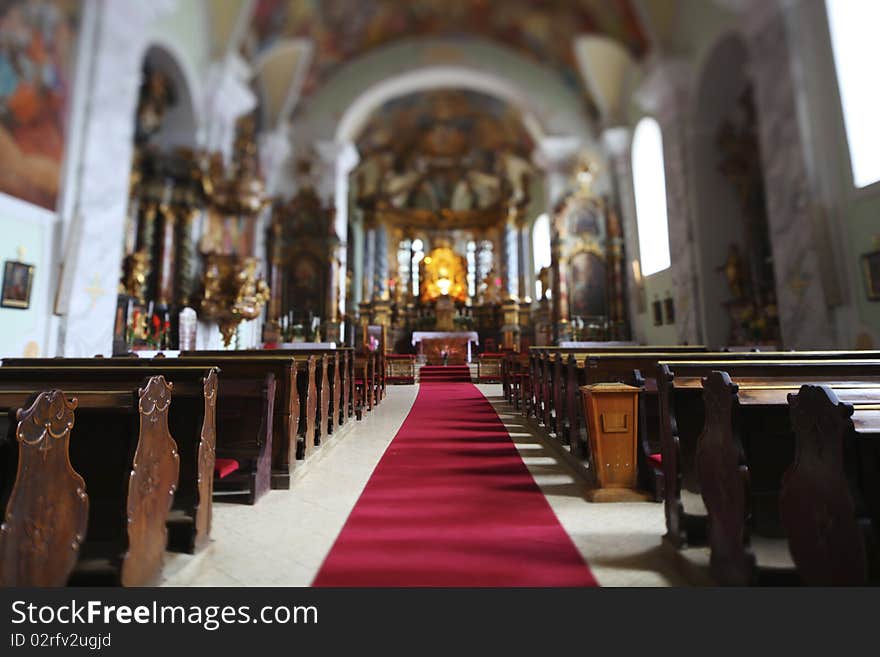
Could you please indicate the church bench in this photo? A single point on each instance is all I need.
(514, 374)
(683, 420)
(489, 367)
(638, 369)
(300, 402)
(191, 421)
(542, 370)
(340, 382)
(244, 416)
(326, 386)
(821, 478)
(43, 500)
(401, 368)
(366, 382)
(772, 436)
(121, 446)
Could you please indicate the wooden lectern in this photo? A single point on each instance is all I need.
(612, 414)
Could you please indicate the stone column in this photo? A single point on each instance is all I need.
(336, 161)
(617, 142)
(380, 282)
(512, 275)
(93, 242)
(556, 156)
(800, 255)
(665, 93)
(369, 259)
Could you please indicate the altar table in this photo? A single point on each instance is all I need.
(432, 343)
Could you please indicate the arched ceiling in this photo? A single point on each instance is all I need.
(447, 158)
(545, 31)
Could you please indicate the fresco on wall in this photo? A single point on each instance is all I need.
(37, 45)
(458, 155)
(542, 30)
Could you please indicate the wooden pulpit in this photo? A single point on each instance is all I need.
(612, 413)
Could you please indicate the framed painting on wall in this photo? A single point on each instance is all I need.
(18, 278)
(36, 80)
(871, 268)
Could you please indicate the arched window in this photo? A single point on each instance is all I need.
(853, 28)
(472, 268)
(541, 247)
(418, 252)
(649, 182)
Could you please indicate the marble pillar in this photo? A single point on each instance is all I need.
(556, 156)
(94, 241)
(618, 147)
(336, 161)
(665, 93)
(793, 206)
(512, 256)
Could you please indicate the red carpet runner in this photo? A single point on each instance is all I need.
(451, 503)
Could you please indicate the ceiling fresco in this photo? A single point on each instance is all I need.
(454, 156)
(542, 30)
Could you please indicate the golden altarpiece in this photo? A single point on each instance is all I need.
(450, 171)
(190, 232)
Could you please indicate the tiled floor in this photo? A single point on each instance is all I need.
(283, 540)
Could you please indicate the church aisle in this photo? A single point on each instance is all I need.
(451, 503)
(282, 540)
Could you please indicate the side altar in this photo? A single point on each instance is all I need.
(455, 344)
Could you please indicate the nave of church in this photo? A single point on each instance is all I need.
(439, 294)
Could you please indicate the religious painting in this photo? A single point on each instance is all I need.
(18, 278)
(657, 311)
(587, 289)
(669, 310)
(871, 268)
(37, 47)
(121, 343)
(542, 31)
(305, 285)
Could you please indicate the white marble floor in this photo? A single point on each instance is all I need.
(283, 540)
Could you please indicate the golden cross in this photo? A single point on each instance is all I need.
(95, 291)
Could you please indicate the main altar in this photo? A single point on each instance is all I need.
(456, 345)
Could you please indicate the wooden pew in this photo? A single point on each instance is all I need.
(43, 499)
(817, 492)
(365, 379)
(244, 415)
(489, 367)
(546, 370)
(683, 419)
(748, 437)
(514, 377)
(121, 446)
(337, 398)
(401, 368)
(639, 368)
(192, 422)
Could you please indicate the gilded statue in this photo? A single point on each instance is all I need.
(490, 288)
(136, 267)
(232, 292)
(735, 271)
(544, 280)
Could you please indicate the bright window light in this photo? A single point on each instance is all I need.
(649, 181)
(853, 27)
(541, 242)
(541, 247)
